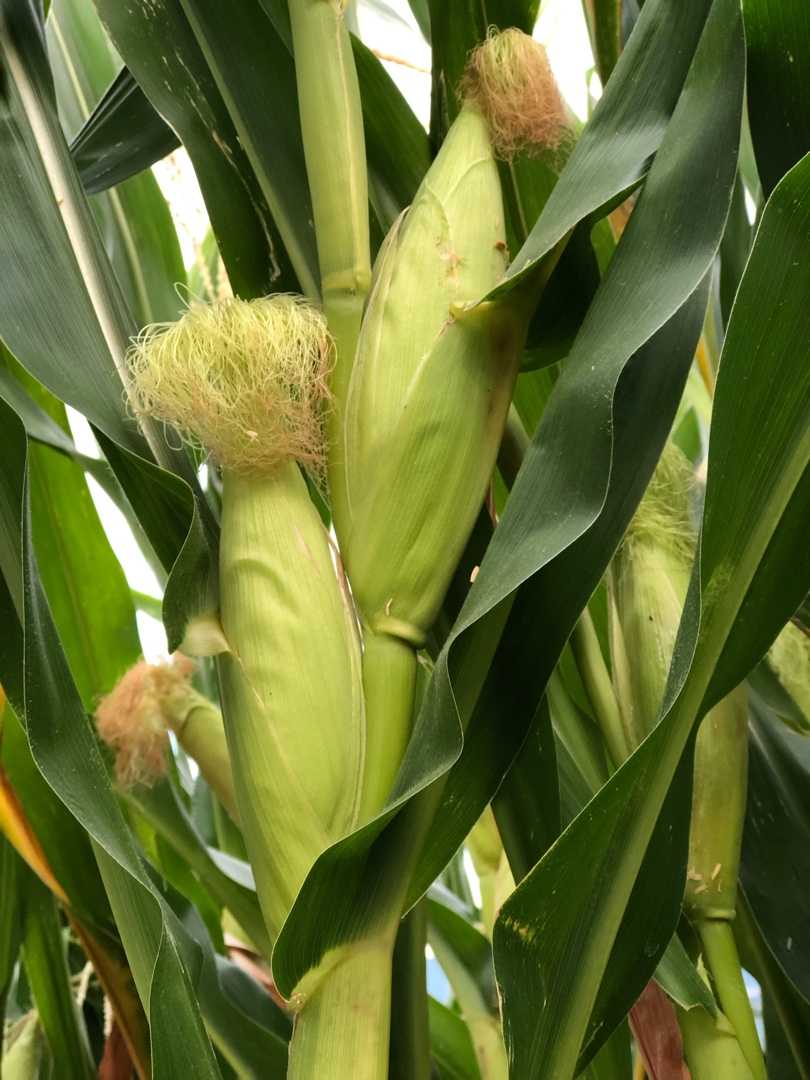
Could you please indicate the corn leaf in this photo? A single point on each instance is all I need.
(85, 585)
(160, 49)
(740, 597)
(777, 34)
(44, 954)
(260, 96)
(64, 318)
(66, 753)
(775, 870)
(451, 1044)
(134, 220)
(102, 156)
(10, 917)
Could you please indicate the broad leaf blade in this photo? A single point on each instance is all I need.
(757, 494)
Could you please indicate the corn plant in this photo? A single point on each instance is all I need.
(470, 466)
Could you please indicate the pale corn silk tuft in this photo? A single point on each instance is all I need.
(789, 656)
(509, 79)
(664, 515)
(134, 717)
(247, 380)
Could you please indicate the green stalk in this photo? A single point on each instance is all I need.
(389, 685)
(409, 1053)
(720, 953)
(200, 732)
(718, 812)
(341, 1030)
(711, 1047)
(334, 149)
(485, 1029)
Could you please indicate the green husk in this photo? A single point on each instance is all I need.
(647, 589)
(23, 1049)
(148, 700)
(789, 657)
(718, 809)
(291, 704)
(430, 389)
(647, 585)
(201, 733)
(425, 411)
(248, 379)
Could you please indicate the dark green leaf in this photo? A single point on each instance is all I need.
(775, 869)
(757, 493)
(451, 1045)
(777, 34)
(65, 751)
(160, 49)
(102, 156)
(270, 136)
(45, 957)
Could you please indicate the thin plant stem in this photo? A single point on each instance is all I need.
(409, 1054)
(598, 684)
(720, 953)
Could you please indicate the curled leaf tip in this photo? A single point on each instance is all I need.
(246, 380)
(508, 77)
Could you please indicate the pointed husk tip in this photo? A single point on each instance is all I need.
(509, 79)
(247, 380)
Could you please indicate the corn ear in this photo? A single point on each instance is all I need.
(200, 731)
(647, 584)
(292, 708)
(430, 388)
(789, 659)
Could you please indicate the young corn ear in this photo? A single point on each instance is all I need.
(150, 699)
(425, 411)
(248, 380)
(789, 659)
(648, 585)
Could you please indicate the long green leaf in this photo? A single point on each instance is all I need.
(66, 753)
(775, 869)
(61, 312)
(160, 49)
(757, 495)
(134, 219)
(260, 95)
(45, 957)
(777, 34)
(102, 157)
